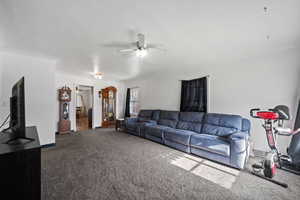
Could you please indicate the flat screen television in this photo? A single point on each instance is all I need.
(17, 114)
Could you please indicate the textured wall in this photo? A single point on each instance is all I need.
(233, 88)
(39, 93)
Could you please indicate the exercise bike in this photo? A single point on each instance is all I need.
(273, 125)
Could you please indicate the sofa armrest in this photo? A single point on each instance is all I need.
(239, 136)
(239, 149)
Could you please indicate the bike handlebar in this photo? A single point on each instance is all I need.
(252, 112)
(286, 131)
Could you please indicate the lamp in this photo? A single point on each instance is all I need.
(141, 53)
(98, 75)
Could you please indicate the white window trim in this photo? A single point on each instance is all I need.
(135, 114)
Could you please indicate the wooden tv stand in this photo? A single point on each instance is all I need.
(20, 167)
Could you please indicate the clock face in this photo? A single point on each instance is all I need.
(65, 95)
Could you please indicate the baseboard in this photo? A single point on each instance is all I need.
(98, 127)
(48, 145)
(57, 133)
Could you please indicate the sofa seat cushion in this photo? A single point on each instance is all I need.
(133, 126)
(221, 124)
(178, 136)
(141, 124)
(211, 143)
(155, 130)
(143, 119)
(147, 121)
(191, 121)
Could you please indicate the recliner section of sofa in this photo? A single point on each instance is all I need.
(189, 123)
(219, 137)
(135, 126)
(167, 121)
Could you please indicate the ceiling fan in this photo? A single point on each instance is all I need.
(140, 47)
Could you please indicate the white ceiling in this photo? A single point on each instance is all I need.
(194, 32)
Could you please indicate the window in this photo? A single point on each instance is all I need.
(134, 101)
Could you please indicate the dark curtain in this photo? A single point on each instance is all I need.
(297, 121)
(194, 95)
(127, 107)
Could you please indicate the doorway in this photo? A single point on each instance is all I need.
(84, 108)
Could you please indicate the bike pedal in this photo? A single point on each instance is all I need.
(286, 158)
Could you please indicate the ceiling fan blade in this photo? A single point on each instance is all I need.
(117, 45)
(157, 48)
(127, 50)
(155, 45)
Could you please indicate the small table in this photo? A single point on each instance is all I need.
(120, 124)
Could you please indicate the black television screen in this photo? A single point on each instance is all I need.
(17, 109)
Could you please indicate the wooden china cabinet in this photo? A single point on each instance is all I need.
(108, 106)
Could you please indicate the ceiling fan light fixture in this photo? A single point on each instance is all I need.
(98, 75)
(141, 53)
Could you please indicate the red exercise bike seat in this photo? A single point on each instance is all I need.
(267, 115)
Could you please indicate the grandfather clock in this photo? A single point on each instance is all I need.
(64, 125)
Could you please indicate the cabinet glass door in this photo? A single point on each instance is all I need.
(108, 106)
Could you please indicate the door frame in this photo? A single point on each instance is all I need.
(75, 103)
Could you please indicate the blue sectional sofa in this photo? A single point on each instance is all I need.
(219, 137)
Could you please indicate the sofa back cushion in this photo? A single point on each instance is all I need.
(168, 118)
(155, 115)
(145, 115)
(191, 121)
(221, 124)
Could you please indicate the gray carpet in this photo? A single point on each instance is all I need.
(104, 164)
